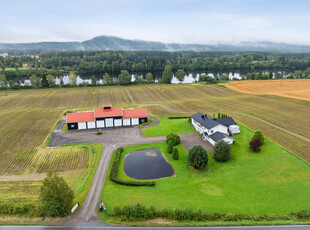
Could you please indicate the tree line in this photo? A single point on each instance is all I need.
(88, 63)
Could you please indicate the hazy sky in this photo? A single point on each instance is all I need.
(182, 21)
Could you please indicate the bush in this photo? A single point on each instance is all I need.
(113, 173)
(99, 132)
(56, 197)
(255, 144)
(175, 154)
(174, 139)
(13, 209)
(170, 147)
(221, 151)
(197, 157)
(260, 135)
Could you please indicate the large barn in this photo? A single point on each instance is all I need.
(106, 117)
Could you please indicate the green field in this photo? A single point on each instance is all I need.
(273, 181)
(167, 126)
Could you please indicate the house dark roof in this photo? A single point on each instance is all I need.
(205, 120)
(217, 136)
(226, 121)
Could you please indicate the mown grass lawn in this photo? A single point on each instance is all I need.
(270, 182)
(167, 126)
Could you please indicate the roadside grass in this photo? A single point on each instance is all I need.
(272, 181)
(167, 126)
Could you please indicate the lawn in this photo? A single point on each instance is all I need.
(167, 126)
(273, 181)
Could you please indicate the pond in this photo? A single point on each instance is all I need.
(147, 164)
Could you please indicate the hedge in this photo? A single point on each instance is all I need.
(140, 212)
(12, 209)
(177, 117)
(113, 173)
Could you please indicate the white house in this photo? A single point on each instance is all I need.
(215, 129)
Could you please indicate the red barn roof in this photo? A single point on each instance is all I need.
(134, 113)
(80, 117)
(113, 112)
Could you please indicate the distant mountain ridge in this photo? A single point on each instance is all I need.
(116, 43)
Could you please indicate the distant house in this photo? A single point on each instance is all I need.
(106, 117)
(215, 129)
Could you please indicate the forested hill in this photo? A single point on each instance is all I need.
(115, 43)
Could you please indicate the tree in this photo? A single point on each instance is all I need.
(180, 74)
(106, 79)
(35, 81)
(221, 151)
(51, 80)
(259, 134)
(255, 144)
(175, 154)
(149, 78)
(170, 147)
(138, 79)
(61, 83)
(124, 78)
(44, 82)
(93, 81)
(198, 157)
(56, 196)
(4, 83)
(174, 139)
(72, 78)
(167, 74)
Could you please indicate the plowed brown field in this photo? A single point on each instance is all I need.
(293, 88)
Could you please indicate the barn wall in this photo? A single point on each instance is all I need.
(75, 126)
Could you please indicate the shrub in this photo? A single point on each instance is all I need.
(56, 196)
(170, 147)
(174, 138)
(99, 132)
(197, 157)
(175, 154)
(221, 151)
(255, 144)
(260, 135)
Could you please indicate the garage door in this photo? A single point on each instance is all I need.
(100, 124)
(109, 122)
(82, 125)
(117, 122)
(91, 124)
(126, 122)
(135, 121)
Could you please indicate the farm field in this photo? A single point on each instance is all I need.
(292, 88)
(272, 181)
(28, 116)
(77, 164)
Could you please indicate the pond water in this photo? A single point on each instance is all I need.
(147, 164)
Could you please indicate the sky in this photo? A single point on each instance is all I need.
(177, 21)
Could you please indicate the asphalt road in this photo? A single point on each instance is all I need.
(96, 227)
